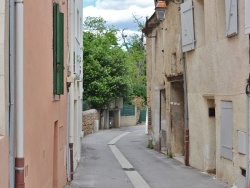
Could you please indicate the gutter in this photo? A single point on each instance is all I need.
(71, 91)
(247, 126)
(19, 161)
(11, 95)
(186, 121)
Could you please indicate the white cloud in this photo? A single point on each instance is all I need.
(120, 12)
(122, 4)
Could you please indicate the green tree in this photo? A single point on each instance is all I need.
(137, 61)
(106, 71)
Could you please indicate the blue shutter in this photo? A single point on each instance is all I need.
(231, 18)
(187, 26)
(247, 16)
(227, 130)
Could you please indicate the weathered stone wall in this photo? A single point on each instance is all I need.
(164, 56)
(89, 119)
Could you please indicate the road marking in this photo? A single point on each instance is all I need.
(137, 180)
(112, 142)
(120, 157)
(133, 175)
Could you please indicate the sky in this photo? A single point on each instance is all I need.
(119, 13)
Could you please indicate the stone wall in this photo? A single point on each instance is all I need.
(90, 121)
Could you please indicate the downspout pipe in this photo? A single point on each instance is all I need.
(11, 95)
(68, 103)
(186, 121)
(247, 143)
(71, 90)
(248, 124)
(19, 162)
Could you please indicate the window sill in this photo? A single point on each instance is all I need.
(56, 97)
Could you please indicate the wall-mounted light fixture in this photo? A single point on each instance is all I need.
(161, 7)
(160, 10)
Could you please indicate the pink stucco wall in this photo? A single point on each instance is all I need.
(44, 139)
(4, 162)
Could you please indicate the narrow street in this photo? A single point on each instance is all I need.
(120, 158)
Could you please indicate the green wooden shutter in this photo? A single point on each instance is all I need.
(55, 9)
(58, 51)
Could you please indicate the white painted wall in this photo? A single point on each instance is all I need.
(3, 67)
(75, 71)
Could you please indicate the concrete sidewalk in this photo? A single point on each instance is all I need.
(99, 168)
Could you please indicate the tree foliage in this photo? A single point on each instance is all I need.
(112, 69)
(137, 62)
(106, 73)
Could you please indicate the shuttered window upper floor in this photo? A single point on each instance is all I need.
(231, 17)
(192, 24)
(58, 50)
(194, 17)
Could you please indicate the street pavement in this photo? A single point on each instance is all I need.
(119, 158)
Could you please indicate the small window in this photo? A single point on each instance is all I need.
(211, 112)
(243, 172)
(58, 50)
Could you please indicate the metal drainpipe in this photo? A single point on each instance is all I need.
(186, 133)
(71, 92)
(186, 121)
(19, 161)
(68, 117)
(247, 143)
(160, 132)
(11, 96)
(247, 129)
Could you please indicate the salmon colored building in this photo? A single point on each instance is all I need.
(44, 93)
(34, 63)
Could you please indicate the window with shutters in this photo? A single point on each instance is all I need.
(221, 19)
(247, 16)
(226, 130)
(58, 51)
(187, 26)
(231, 17)
(199, 23)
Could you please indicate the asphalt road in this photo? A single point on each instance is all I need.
(105, 166)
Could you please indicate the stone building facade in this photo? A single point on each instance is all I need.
(165, 86)
(197, 72)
